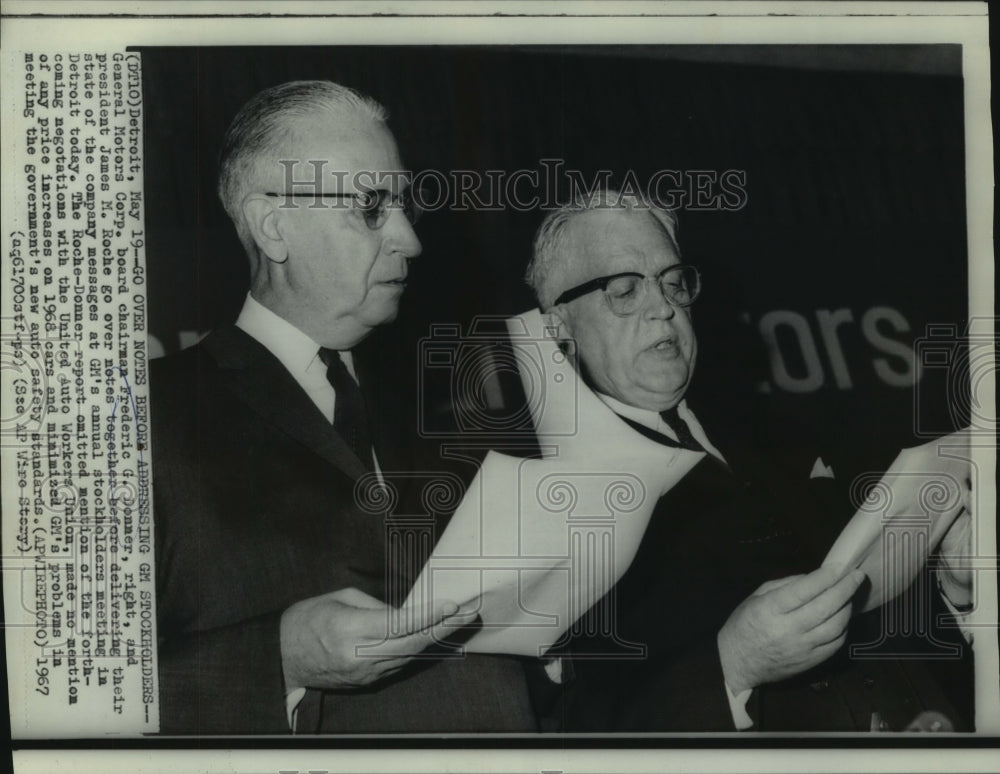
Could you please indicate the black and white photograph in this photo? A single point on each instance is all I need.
(822, 210)
(551, 390)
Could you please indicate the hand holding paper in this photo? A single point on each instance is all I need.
(345, 639)
(787, 627)
(905, 515)
(956, 581)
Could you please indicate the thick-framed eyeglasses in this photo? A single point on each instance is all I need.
(626, 292)
(374, 204)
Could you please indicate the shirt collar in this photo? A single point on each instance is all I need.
(294, 349)
(644, 417)
(652, 420)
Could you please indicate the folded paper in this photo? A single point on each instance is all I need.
(536, 542)
(904, 515)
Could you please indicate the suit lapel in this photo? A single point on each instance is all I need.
(259, 380)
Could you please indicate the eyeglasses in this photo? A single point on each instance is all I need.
(626, 292)
(373, 204)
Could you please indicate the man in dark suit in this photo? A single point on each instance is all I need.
(271, 580)
(608, 272)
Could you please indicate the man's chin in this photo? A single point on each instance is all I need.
(666, 372)
(382, 316)
(668, 390)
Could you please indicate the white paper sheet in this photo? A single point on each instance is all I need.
(905, 515)
(534, 543)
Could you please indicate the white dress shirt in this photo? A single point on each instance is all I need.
(296, 351)
(652, 420)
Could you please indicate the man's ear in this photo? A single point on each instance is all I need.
(557, 321)
(262, 215)
(557, 325)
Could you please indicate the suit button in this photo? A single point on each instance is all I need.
(869, 682)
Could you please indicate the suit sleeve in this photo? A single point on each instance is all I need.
(214, 679)
(199, 693)
(219, 648)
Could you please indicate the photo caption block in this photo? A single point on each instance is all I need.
(77, 525)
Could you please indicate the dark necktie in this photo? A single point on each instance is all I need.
(350, 418)
(684, 438)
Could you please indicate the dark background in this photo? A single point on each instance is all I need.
(854, 162)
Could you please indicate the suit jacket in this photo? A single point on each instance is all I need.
(706, 549)
(254, 510)
(711, 541)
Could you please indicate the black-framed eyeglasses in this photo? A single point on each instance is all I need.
(626, 292)
(374, 204)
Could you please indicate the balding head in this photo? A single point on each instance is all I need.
(548, 268)
(267, 130)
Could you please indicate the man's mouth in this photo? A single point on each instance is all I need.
(668, 344)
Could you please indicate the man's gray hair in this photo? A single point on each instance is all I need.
(265, 123)
(548, 259)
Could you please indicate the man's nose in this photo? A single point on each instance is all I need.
(400, 235)
(656, 306)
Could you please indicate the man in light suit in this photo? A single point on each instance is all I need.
(271, 581)
(608, 271)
